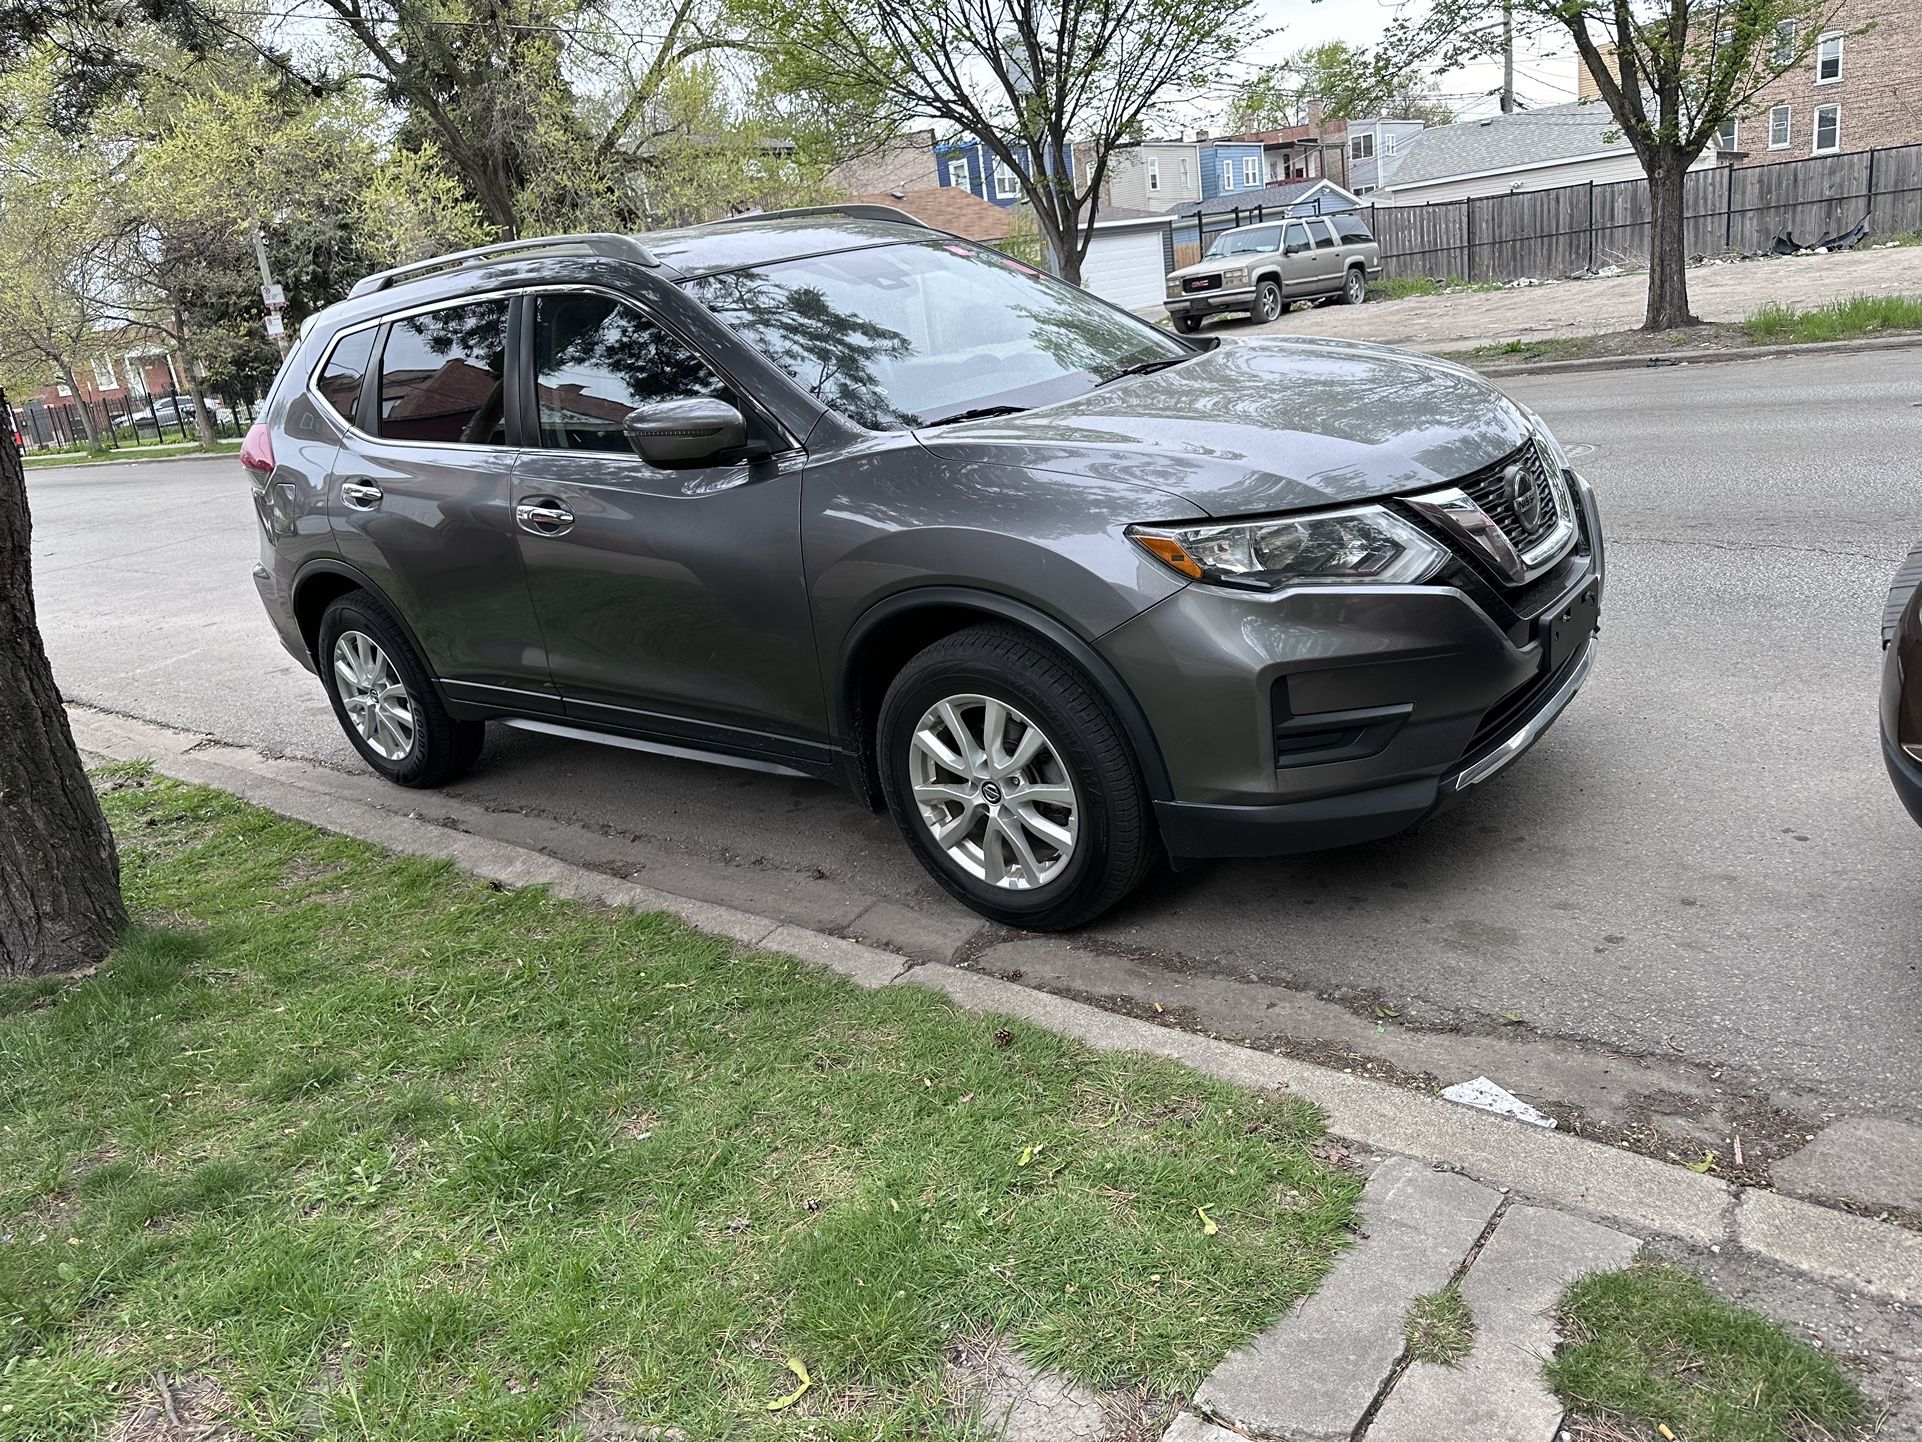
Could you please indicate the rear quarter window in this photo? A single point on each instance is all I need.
(1352, 229)
(339, 381)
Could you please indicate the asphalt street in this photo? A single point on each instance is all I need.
(1702, 864)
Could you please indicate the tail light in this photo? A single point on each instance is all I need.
(257, 455)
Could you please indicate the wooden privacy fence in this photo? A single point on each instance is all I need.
(1557, 232)
(1737, 208)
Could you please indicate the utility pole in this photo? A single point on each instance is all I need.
(1508, 57)
(271, 294)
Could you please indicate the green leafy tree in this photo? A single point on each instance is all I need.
(1350, 81)
(1025, 80)
(1671, 73)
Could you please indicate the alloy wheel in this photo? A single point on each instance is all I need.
(371, 692)
(1353, 285)
(992, 791)
(1270, 303)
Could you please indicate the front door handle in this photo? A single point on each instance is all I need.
(361, 495)
(543, 516)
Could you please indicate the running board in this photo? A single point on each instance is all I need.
(653, 748)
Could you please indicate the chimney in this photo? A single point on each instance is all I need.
(1201, 135)
(1315, 110)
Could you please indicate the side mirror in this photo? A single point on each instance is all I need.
(684, 433)
(1295, 249)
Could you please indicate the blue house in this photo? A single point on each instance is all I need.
(1230, 166)
(969, 165)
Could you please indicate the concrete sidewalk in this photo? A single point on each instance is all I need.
(1592, 307)
(1511, 1212)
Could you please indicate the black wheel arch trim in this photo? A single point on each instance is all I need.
(334, 566)
(1134, 721)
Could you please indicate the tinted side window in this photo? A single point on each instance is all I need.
(1324, 237)
(339, 380)
(1298, 235)
(1353, 229)
(596, 359)
(441, 376)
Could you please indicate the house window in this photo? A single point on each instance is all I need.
(1725, 138)
(1390, 143)
(103, 376)
(1227, 175)
(1828, 128)
(1154, 173)
(1184, 172)
(1006, 184)
(1779, 128)
(958, 174)
(1828, 60)
(1362, 147)
(1785, 34)
(1251, 170)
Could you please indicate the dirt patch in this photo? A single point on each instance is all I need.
(990, 1384)
(597, 1417)
(178, 1409)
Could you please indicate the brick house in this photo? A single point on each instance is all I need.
(1859, 88)
(124, 372)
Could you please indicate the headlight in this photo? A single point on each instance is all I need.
(1237, 276)
(1174, 286)
(1364, 544)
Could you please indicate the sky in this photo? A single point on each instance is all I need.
(1544, 69)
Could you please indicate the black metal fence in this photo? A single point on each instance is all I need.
(1737, 209)
(123, 421)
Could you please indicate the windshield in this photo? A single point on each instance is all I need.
(895, 336)
(1265, 241)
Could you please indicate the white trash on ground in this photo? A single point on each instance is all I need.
(1483, 1093)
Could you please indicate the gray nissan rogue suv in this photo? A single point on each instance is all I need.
(829, 494)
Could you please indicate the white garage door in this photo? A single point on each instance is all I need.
(1125, 266)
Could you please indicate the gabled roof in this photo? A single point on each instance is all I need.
(1269, 197)
(1552, 135)
(949, 208)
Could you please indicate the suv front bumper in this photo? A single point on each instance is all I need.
(1325, 716)
(1208, 302)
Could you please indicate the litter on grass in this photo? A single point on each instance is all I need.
(1483, 1093)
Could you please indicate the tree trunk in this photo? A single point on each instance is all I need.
(203, 423)
(60, 903)
(89, 422)
(1667, 248)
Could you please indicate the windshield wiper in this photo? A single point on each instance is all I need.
(979, 413)
(1145, 368)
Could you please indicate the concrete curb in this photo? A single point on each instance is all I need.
(1549, 1166)
(1707, 356)
(138, 461)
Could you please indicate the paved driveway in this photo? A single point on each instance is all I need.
(1590, 307)
(1692, 908)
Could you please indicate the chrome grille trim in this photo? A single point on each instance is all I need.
(1477, 512)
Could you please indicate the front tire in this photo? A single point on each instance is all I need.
(1010, 778)
(384, 699)
(1187, 324)
(1268, 302)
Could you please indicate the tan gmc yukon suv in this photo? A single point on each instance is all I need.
(1262, 270)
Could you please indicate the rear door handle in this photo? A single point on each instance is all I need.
(360, 495)
(543, 516)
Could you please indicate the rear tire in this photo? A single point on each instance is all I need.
(1187, 324)
(1034, 727)
(384, 699)
(1354, 286)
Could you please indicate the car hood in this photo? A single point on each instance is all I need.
(1221, 263)
(1263, 425)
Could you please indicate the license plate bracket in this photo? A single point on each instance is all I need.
(1565, 630)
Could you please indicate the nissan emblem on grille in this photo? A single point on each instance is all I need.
(1519, 485)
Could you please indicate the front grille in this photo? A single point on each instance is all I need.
(1488, 488)
(1193, 283)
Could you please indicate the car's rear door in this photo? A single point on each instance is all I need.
(673, 601)
(1327, 255)
(421, 503)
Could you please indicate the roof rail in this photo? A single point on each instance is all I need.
(854, 210)
(622, 247)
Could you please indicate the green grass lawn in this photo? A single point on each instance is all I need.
(1653, 1347)
(384, 1151)
(1859, 315)
(128, 451)
(1407, 286)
